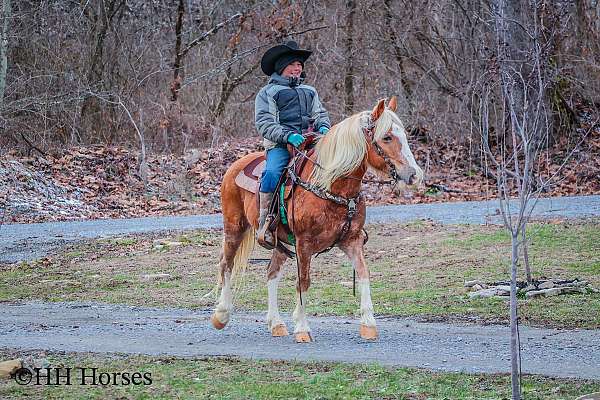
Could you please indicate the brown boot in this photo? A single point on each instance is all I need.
(264, 236)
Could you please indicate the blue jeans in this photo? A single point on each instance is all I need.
(277, 160)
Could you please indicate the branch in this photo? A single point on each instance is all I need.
(235, 81)
(31, 145)
(143, 164)
(241, 55)
(207, 34)
(224, 65)
(306, 30)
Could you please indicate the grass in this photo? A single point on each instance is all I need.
(417, 270)
(225, 378)
(128, 241)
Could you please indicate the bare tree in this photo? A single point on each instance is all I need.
(101, 15)
(349, 58)
(191, 52)
(399, 57)
(177, 64)
(231, 81)
(520, 78)
(4, 19)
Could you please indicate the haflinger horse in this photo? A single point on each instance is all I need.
(370, 140)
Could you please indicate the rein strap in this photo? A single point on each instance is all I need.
(327, 195)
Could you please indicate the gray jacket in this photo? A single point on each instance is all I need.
(285, 106)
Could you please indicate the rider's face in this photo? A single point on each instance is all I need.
(293, 69)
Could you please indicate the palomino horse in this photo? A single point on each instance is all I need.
(373, 140)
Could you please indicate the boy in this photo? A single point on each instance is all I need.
(283, 109)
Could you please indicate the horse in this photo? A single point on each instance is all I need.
(370, 140)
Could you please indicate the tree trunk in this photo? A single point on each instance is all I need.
(588, 27)
(349, 49)
(178, 64)
(514, 348)
(102, 20)
(227, 87)
(510, 42)
(389, 23)
(6, 16)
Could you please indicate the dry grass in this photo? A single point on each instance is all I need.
(417, 270)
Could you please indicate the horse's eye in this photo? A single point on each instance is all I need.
(387, 139)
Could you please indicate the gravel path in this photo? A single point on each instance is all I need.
(22, 242)
(404, 342)
(92, 327)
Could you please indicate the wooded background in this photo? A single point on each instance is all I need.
(180, 74)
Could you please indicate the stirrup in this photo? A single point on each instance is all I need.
(260, 236)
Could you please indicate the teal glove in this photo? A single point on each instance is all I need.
(295, 139)
(323, 130)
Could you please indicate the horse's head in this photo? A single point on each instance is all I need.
(388, 152)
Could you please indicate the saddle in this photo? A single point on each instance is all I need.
(249, 179)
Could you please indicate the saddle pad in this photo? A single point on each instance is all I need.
(248, 178)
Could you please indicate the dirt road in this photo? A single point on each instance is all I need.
(24, 242)
(94, 327)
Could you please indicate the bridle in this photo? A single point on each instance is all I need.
(369, 132)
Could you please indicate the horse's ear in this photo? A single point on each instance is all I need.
(378, 110)
(393, 104)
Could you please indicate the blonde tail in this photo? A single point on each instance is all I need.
(240, 262)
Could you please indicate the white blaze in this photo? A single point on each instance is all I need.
(400, 133)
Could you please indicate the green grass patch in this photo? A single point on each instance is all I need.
(218, 378)
(417, 270)
(73, 254)
(497, 237)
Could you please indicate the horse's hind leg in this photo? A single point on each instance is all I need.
(274, 275)
(231, 244)
(354, 250)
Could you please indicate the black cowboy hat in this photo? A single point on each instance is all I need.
(290, 48)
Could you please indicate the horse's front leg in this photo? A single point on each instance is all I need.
(274, 275)
(301, 328)
(353, 247)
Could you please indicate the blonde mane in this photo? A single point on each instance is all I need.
(344, 147)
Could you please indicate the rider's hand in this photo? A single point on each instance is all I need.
(323, 130)
(295, 139)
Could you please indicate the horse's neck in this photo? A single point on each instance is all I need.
(348, 186)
